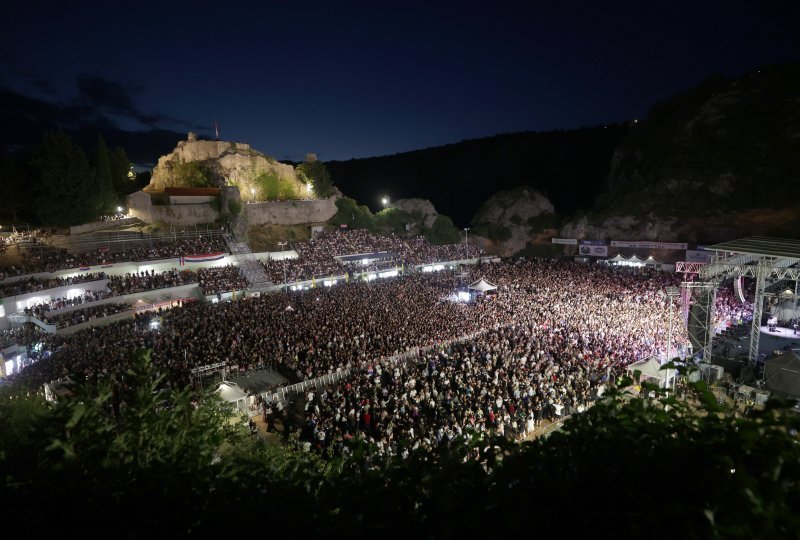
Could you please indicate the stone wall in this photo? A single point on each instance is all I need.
(290, 212)
(140, 205)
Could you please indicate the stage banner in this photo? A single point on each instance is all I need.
(696, 255)
(594, 251)
(593, 242)
(565, 241)
(647, 244)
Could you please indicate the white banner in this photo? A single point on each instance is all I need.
(696, 255)
(566, 241)
(648, 245)
(594, 251)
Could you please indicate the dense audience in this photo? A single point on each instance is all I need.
(316, 257)
(134, 282)
(42, 257)
(573, 314)
(79, 316)
(32, 285)
(221, 279)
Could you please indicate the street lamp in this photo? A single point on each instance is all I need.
(253, 193)
(385, 201)
(283, 256)
(466, 242)
(672, 292)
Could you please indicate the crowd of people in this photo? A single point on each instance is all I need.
(43, 257)
(79, 316)
(41, 309)
(317, 256)
(29, 285)
(544, 344)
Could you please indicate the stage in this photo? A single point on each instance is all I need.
(781, 332)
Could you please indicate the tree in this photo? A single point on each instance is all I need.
(105, 184)
(319, 176)
(122, 176)
(443, 231)
(66, 186)
(16, 190)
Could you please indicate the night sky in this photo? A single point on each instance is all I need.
(370, 78)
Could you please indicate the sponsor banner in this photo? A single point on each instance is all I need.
(565, 241)
(205, 257)
(594, 251)
(696, 255)
(593, 242)
(647, 244)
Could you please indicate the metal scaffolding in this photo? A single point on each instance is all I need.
(766, 260)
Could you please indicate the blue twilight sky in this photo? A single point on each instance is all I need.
(355, 79)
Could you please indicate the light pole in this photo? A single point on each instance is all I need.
(466, 242)
(283, 256)
(253, 194)
(672, 292)
(385, 201)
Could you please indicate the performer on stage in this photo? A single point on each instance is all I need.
(772, 323)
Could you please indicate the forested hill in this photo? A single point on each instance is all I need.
(569, 167)
(735, 142)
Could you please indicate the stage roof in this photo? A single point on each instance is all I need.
(761, 245)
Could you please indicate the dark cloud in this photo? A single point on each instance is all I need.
(112, 97)
(26, 118)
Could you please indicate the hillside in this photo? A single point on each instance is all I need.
(723, 146)
(568, 167)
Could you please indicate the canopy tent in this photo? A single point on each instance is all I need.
(482, 286)
(651, 261)
(782, 374)
(651, 369)
(618, 258)
(635, 260)
(231, 393)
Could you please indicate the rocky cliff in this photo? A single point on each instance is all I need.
(510, 221)
(221, 163)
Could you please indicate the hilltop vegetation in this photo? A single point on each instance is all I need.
(722, 146)
(568, 167)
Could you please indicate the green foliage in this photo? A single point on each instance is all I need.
(192, 174)
(271, 187)
(105, 184)
(124, 180)
(216, 204)
(319, 176)
(67, 191)
(352, 214)
(17, 183)
(497, 232)
(134, 455)
(392, 220)
(443, 232)
(234, 207)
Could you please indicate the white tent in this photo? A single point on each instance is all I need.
(651, 261)
(482, 286)
(618, 258)
(231, 393)
(651, 369)
(634, 260)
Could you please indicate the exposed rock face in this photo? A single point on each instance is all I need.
(510, 220)
(227, 163)
(756, 221)
(421, 208)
